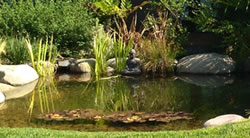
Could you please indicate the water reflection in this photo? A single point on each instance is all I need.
(129, 94)
(44, 94)
(212, 81)
(113, 95)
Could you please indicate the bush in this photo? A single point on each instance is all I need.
(230, 20)
(68, 22)
(165, 37)
(15, 52)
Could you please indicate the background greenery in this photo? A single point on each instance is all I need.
(69, 22)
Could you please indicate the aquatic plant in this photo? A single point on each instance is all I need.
(102, 51)
(121, 51)
(44, 61)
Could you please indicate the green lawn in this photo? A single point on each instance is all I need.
(240, 130)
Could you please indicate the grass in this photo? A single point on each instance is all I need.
(121, 52)
(237, 130)
(102, 51)
(44, 61)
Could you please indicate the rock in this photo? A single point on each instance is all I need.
(210, 63)
(20, 91)
(111, 62)
(63, 65)
(2, 97)
(212, 81)
(17, 75)
(82, 66)
(247, 65)
(223, 119)
(110, 70)
(5, 87)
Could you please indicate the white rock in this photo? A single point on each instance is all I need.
(20, 91)
(17, 74)
(2, 97)
(223, 119)
(5, 87)
(210, 63)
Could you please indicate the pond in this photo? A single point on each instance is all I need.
(203, 96)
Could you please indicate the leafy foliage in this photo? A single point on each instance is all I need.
(165, 37)
(102, 50)
(230, 20)
(14, 51)
(69, 22)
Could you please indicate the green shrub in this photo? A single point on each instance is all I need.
(68, 22)
(165, 36)
(15, 51)
(230, 20)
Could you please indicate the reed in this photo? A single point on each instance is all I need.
(43, 61)
(102, 51)
(121, 52)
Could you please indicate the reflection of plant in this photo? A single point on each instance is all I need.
(114, 96)
(44, 61)
(45, 89)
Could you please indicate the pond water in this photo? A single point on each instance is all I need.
(203, 96)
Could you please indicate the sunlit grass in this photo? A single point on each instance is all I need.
(239, 130)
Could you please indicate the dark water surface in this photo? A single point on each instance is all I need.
(204, 96)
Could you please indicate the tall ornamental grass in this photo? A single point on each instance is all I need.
(102, 51)
(44, 61)
(121, 52)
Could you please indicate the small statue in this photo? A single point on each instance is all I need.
(132, 65)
